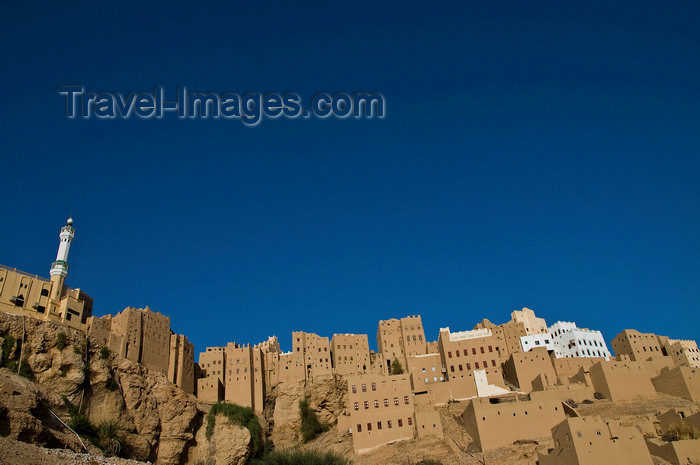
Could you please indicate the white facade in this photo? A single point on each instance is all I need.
(570, 341)
(536, 340)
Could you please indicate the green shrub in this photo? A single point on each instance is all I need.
(61, 341)
(241, 416)
(63, 371)
(683, 430)
(77, 350)
(12, 365)
(104, 352)
(111, 383)
(396, 368)
(7, 344)
(301, 457)
(25, 370)
(310, 426)
(108, 438)
(72, 409)
(81, 425)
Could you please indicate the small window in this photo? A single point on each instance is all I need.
(449, 354)
(364, 388)
(400, 422)
(379, 425)
(386, 402)
(405, 400)
(396, 401)
(359, 428)
(388, 423)
(369, 426)
(357, 406)
(410, 421)
(376, 403)
(374, 386)
(366, 404)
(354, 389)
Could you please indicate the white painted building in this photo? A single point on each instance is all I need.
(536, 340)
(570, 341)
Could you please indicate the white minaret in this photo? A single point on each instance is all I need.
(59, 268)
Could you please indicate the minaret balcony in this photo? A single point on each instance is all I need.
(60, 264)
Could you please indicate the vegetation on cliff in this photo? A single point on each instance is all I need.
(310, 425)
(242, 416)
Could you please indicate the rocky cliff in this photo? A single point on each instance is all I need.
(77, 383)
(326, 396)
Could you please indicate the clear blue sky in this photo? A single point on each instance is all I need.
(540, 154)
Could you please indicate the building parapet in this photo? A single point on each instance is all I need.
(29, 275)
(464, 335)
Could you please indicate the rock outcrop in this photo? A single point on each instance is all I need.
(326, 396)
(156, 420)
(229, 445)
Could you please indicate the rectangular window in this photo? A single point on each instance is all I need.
(396, 401)
(473, 350)
(386, 402)
(400, 422)
(379, 425)
(452, 368)
(493, 363)
(477, 365)
(364, 388)
(469, 366)
(359, 428)
(388, 423)
(366, 404)
(410, 421)
(405, 399)
(374, 386)
(369, 426)
(449, 354)
(460, 368)
(490, 349)
(357, 406)
(376, 403)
